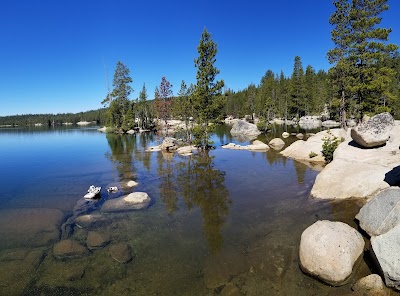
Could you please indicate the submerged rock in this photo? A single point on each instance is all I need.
(386, 249)
(130, 202)
(29, 227)
(121, 253)
(67, 249)
(92, 221)
(329, 250)
(244, 129)
(97, 240)
(132, 183)
(382, 213)
(375, 132)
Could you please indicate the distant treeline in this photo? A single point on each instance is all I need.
(306, 92)
(99, 116)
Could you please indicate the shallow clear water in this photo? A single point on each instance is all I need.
(221, 220)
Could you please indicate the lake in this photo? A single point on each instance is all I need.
(221, 222)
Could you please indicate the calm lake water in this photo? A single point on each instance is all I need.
(221, 222)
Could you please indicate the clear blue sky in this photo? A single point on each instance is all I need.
(52, 53)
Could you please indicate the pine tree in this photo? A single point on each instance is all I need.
(120, 94)
(207, 100)
(297, 106)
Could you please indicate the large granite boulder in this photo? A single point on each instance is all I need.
(244, 129)
(382, 213)
(329, 250)
(386, 250)
(375, 132)
(300, 150)
(276, 143)
(130, 202)
(359, 173)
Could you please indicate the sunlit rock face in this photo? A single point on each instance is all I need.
(375, 132)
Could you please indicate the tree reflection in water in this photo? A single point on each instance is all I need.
(200, 185)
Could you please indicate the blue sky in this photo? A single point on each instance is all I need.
(52, 53)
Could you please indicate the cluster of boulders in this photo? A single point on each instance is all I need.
(365, 165)
(330, 251)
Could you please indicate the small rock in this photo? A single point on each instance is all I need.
(91, 221)
(130, 202)
(329, 250)
(300, 136)
(131, 132)
(169, 144)
(371, 285)
(230, 290)
(121, 253)
(285, 134)
(74, 273)
(68, 248)
(96, 240)
(132, 183)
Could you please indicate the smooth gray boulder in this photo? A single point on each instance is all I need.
(386, 250)
(329, 250)
(381, 213)
(244, 129)
(130, 202)
(375, 132)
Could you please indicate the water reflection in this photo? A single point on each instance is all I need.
(199, 184)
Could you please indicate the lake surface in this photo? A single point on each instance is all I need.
(222, 221)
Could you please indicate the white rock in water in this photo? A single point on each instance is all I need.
(132, 183)
(137, 197)
(329, 250)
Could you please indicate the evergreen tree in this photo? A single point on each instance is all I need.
(207, 100)
(163, 101)
(297, 105)
(358, 75)
(183, 108)
(120, 104)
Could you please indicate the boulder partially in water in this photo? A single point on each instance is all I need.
(375, 132)
(371, 285)
(92, 221)
(244, 129)
(130, 202)
(382, 213)
(386, 250)
(329, 250)
(276, 143)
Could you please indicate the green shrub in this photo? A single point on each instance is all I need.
(329, 146)
(312, 154)
(262, 124)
